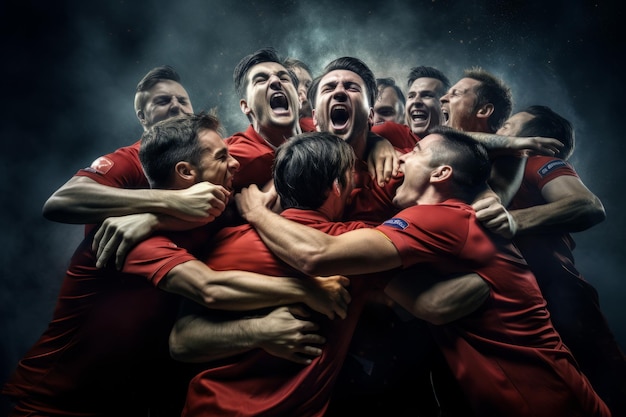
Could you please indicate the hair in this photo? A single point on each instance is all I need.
(171, 141)
(153, 77)
(429, 72)
(312, 92)
(240, 74)
(382, 83)
(547, 123)
(468, 158)
(291, 63)
(358, 67)
(492, 90)
(306, 166)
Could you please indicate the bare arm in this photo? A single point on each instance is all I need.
(242, 290)
(519, 146)
(82, 200)
(200, 335)
(570, 207)
(437, 299)
(314, 252)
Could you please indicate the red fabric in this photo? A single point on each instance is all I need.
(124, 171)
(106, 347)
(255, 157)
(397, 134)
(307, 125)
(257, 383)
(507, 356)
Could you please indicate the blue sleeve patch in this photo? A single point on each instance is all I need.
(551, 166)
(396, 223)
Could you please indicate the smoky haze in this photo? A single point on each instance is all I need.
(71, 68)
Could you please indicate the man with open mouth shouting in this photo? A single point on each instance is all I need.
(268, 97)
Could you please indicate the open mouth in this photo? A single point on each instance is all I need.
(339, 116)
(279, 102)
(446, 115)
(418, 115)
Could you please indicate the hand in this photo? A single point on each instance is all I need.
(289, 337)
(382, 159)
(200, 202)
(537, 145)
(328, 295)
(495, 217)
(117, 235)
(251, 198)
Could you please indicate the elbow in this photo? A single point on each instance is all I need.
(178, 351)
(312, 264)
(52, 209)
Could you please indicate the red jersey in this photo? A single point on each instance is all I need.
(255, 156)
(120, 169)
(507, 356)
(369, 202)
(306, 124)
(397, 134)
(257, 383)
(106, 349)
(539, 171)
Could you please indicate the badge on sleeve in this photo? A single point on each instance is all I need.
(551, 166)
(101, 165)
(396, 223)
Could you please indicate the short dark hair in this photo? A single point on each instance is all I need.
(171, 141)
(260, 56)
(382, 83)
(548, 123)
(291, 63)
(358, 67)
(492, 90)
(469, 160)
(429, 72)
(153, 77)
(306, 166)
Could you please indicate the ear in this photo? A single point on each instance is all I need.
(141, 116)
(243, 105)
(185, 172)
(485, 111)
(441, 173)
(314, 118)
(370, 117)
(336, 187)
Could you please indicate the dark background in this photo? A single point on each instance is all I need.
(69, 70)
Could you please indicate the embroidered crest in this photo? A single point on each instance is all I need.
(101, 165)
(397, 223)
(551, 166)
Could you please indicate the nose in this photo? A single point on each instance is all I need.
(275, 83)
(340, 93)
(444, 98)
(234, 164)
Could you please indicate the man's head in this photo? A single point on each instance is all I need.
(343, 101)
(445, 164)
(310, 167)
(390, 101)
(478, 102)
(541, 121)
(303, 74)
(267, 91)
(426, 85)
(181, 151)
(160, 95)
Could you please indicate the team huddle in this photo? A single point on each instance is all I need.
(357, 249)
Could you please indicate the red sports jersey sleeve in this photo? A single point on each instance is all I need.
(121, 169)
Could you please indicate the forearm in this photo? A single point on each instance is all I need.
(437, 299)
(506, 177)
(82, 200)
(199, 338)
(233, 290)
(572, 214)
